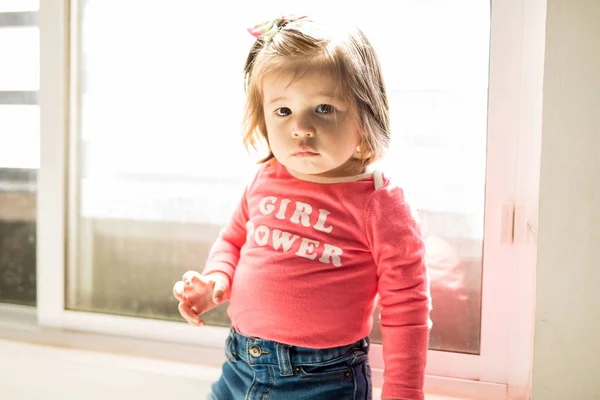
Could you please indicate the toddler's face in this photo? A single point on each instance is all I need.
(310, 131)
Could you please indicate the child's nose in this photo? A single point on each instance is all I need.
(303, 128)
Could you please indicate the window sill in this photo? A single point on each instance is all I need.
(154, 361)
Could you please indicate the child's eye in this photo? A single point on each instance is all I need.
(283, 111)
(324, 109)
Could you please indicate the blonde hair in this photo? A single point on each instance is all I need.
(346, 53)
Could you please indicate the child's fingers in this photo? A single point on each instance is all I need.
(179, 291)
(191, 317)
(190, 276)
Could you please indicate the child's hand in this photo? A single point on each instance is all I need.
(197, 294)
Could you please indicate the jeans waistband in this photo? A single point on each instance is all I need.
(256, 351)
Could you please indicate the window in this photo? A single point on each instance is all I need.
(148, 165)
(159, 163)
(19, 150)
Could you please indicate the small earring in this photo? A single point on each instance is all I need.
(359, 152)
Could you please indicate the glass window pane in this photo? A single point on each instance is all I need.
(17, 236)
(19, 5)
(19, 158)
(161, 175)
(19, 153)
(19, 52)
(19, 136)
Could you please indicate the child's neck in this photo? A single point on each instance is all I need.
(335, 176)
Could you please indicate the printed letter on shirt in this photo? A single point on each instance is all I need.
(303, 211)
(320, 225)
(333, 253)
(282, 209)
(306, 248)
(261, 235)
(267, 205)
(283, 239)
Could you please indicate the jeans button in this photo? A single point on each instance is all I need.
(255, 351)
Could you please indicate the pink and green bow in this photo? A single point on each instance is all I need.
(267, 30)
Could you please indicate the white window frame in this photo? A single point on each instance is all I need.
(502, 370)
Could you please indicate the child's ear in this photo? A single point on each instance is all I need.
(363, 151)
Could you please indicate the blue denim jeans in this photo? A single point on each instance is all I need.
(258, 369)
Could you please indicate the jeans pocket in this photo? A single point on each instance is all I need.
(324, 373)
(337, 369)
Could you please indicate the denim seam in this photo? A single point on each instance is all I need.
(367, 373)
(229, 350)
(350, 355)
(251, 387)
(323, 378)
(354, 378)
(248, 356)
(271, 370)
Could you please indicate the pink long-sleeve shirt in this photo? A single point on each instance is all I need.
(307, 259)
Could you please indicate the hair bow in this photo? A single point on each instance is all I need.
(267, 30)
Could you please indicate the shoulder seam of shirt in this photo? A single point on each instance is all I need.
(368, 213)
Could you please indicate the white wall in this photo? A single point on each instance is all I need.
(567, 320)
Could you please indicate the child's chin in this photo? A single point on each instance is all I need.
(306, 168)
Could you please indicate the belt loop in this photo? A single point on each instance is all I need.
(283, 357)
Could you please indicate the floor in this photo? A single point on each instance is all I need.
(32, 372)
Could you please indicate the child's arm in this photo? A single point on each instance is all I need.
(403, 287)
(225, 252)
(199, 293)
